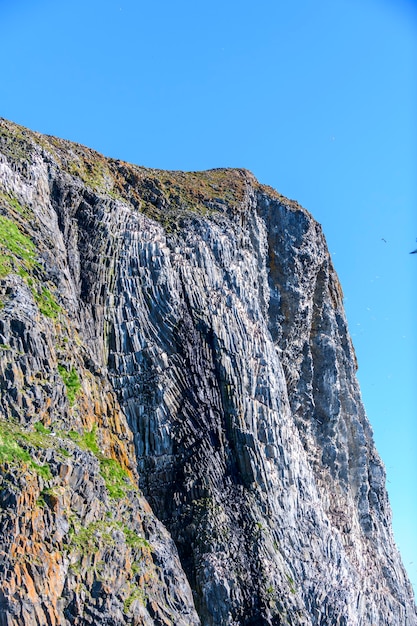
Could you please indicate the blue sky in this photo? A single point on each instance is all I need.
(317, 98)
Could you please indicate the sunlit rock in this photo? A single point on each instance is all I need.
(182, 436)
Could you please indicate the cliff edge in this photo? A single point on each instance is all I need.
(182, 437)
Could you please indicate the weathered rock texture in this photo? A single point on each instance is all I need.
(179, 340)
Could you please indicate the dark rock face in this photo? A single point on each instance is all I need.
(179, 340)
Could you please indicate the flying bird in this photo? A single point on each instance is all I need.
(414, 251)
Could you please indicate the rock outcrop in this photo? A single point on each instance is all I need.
(182, 438)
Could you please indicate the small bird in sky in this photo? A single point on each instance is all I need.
(414, 251)
(384, 240)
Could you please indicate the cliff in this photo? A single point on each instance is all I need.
(182, 438)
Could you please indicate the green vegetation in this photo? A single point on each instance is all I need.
(92, 171)
(19, 444)
(89, 539)
(41, 502)
(43, 470)
(291, 583)
(14, 141)
(12, 450)
(47, 497)
(86, 441)
(46, 303)
(71, 382)
(137, 594)
(12, 202)
(135, 541)
(92, 168)
(40, 428)
(91, 441)
(116, 478)
(101, 534)
(18, 254)
(17, 251)
(39, 438)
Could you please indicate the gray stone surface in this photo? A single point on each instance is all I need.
(205, 323)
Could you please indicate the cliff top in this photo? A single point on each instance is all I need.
(160, 194)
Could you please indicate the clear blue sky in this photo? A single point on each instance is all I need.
(317, 97)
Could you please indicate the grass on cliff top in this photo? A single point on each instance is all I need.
(161, 195)
(15, 141)
(170, 198)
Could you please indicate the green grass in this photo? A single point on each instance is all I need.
(137, 594)
(291, 583)
(40, 428)
(11, 450)
(46, 303)
(16, 249)
(135, 541)
(76, 437)
(91, 440)
(18, 254)
(86, 441)
(89, 539)
(12, 202)
(41, 502)
(14, 142)
(71, 382)
(92, 173)
(16, 444)
(42, 470)
(116, 478)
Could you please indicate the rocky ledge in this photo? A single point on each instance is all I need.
(182, 437)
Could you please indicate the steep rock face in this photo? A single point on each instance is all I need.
(79, 544)
(180, 336)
